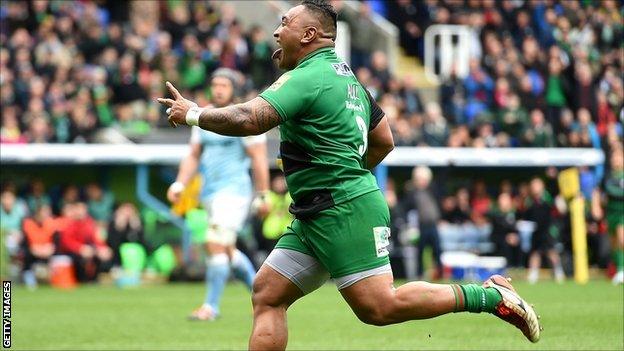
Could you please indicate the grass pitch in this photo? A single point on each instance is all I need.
(153, 317)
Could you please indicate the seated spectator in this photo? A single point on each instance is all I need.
(71, 194)
(504, 233)
(12, 212)
(100, 204)
(125, 226)
(39, 240)
(79, 240)
(37, 196)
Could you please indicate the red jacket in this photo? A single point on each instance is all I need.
(78, 233)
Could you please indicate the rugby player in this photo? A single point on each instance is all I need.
(332, 133)
(223, 163)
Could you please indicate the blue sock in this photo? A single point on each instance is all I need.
(217, 273)
(243, 268)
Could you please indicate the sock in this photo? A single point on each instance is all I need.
(618, 259)
(533, 275)
(217, 273)
(559, 271)
(243, 268)
(474, 298)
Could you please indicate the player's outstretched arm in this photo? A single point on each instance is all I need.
(250, 118)
(380, 143)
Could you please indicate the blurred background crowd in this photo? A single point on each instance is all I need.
(542, 73)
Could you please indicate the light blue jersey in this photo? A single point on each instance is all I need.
(224, 164)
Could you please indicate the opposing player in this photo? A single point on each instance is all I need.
(332, 132)
(226, 194)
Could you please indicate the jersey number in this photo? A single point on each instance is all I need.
(362, 127)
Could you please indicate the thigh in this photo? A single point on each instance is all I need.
(351, 237)
(369, 292)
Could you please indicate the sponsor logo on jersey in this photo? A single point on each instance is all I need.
(382, 236)
(342, 69)
(355, 107)
(279, 82)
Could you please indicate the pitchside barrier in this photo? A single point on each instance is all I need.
(142, 156)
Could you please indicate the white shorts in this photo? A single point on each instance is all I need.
(307, 273)
(227, 214)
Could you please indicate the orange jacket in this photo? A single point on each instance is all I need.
(39, 233)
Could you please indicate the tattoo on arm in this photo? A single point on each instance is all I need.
(250, 118)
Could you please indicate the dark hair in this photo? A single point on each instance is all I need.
(325, 13)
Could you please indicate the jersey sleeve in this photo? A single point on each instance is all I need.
(376, 111)
(293, 92)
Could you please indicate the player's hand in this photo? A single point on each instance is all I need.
(177, 107)
(175, 192)
(260, 205)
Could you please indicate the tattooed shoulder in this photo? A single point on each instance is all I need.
(263, 115)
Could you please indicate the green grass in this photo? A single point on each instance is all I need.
(153, 317)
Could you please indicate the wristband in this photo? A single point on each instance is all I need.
(192, 116)
(259, 199)
(177, 187)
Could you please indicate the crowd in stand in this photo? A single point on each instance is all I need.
(542, 73)
(84, 224)
(70, 68)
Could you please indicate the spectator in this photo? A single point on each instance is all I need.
(71, 194)
(100, 203)
(539, 133)
(513, 119)
(79, 240)
(362, 30)
(37, 196)
(125, 226)
(421, 198)
(10, 132)
(39, 240)
(539, 211)
(261, 67)
(556, 90)
(605, 116)
(435, 130)
(504, 233)
(12, 212)
(278, 217)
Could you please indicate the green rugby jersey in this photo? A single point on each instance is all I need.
(326, 116)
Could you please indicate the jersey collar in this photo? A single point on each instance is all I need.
(314, 53)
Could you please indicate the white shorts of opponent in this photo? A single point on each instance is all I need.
(227, 214)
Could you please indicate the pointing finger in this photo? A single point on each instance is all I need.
(176, 94)
(166, 102)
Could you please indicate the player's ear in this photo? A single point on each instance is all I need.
(309, 35)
